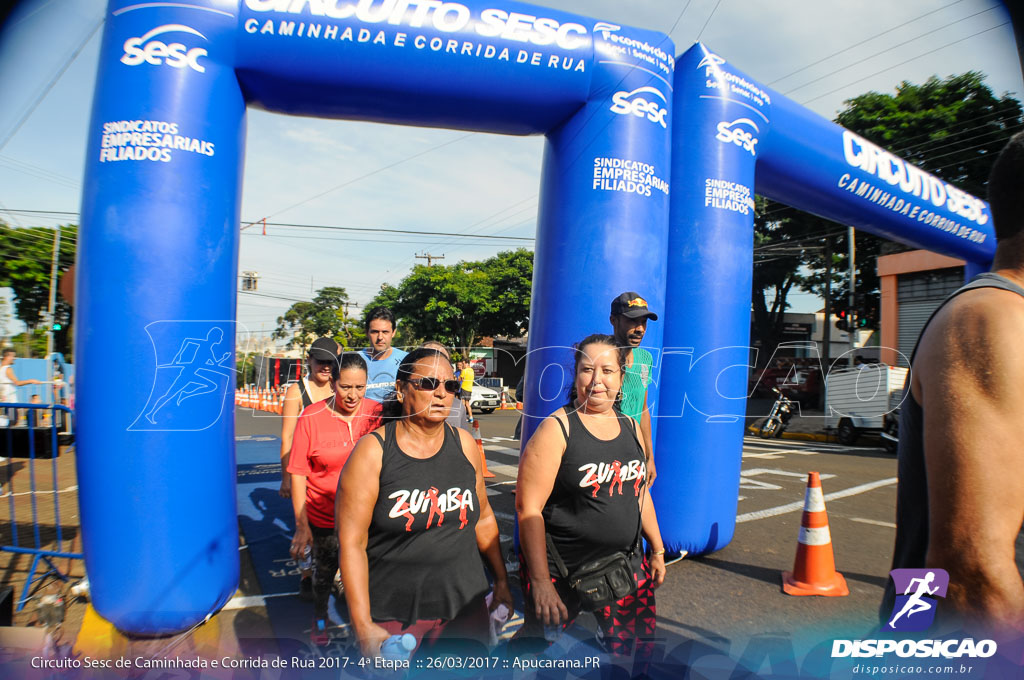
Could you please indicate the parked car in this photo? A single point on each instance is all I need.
(484, 399)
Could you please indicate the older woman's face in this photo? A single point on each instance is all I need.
(598, 376)
(432, 405)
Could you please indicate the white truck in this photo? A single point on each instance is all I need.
(857, 399)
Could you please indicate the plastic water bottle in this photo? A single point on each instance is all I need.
(552, 632)
(306, 563)
(398, 647)
(499, 617)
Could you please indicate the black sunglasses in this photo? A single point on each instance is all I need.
(430, 384)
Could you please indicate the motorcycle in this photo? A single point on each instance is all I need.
(778, 418)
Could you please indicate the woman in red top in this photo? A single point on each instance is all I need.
(324, 437)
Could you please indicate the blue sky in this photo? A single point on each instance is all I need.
(309, 171)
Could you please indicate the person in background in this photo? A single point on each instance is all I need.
(466, 376)
(457, 417)
(315, 386)
(587, 514)
(9, 384)
(382, 359)
(414, 523)
(324, 437)
(960, 495)
(629, 317)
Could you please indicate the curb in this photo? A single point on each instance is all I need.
(799, 436)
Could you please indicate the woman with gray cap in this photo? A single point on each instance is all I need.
(314, 387)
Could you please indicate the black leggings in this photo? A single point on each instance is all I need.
(325, 566)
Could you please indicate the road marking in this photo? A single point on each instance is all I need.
(772, 455)
(862, 520)
(247, 601)
(799, 505)
(503, 469)
(747, 483)
(502, 449)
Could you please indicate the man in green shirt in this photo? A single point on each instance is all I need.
(629, 323)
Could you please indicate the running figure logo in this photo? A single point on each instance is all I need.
(914, 609)
(194, 370)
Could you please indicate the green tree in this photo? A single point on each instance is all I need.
(304, 322)
(952, 128)
(26, 256)
(458, 304)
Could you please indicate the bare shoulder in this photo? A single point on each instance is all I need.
(974, 343)
(292, 392)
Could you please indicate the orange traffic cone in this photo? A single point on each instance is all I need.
(814, 570)
(480, 445)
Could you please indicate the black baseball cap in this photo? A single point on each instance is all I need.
(324, 349)
(632, 306)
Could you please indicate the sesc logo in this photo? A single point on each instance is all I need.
(156, 52)
(632, 103)
(730, 133)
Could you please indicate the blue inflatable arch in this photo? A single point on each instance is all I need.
(158, 246)
(160, 218)
(733, 136)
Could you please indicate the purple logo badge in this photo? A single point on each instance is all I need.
(916, 593)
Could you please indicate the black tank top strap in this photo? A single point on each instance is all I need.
(561, 427)
(307, 400)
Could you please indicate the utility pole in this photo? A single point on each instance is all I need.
(853, 295)
(826, 333)
(53, 302)
(429, 258)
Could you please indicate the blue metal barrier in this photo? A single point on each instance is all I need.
(12, 437)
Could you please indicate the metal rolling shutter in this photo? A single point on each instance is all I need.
(919, 295)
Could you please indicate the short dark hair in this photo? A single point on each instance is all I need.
(346, 360)
(8, 350)
(1005, 194)
(381, 313)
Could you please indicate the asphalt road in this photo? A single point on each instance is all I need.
(729, 598)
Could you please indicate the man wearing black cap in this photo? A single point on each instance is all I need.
(629, 324)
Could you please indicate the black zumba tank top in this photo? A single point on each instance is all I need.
(912, 490)
(593, 509)
(423, 558)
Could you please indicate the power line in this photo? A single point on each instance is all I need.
(886, 50)
(418, 232)
(49, 86)
(865, 40)
(368, 174)
(708, 20)
(907, 61)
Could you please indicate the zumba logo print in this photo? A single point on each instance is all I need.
(408, 504)
(596, 474)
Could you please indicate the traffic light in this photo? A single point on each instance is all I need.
(843, 322)
(56, 326)
(862, 321)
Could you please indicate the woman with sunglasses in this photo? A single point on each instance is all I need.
(414, 523)
(325, 435)
(583, 484)
(315, 386)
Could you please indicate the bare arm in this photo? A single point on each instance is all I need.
(289, 417)
(645, 428)
(19, 383)
(488, 539)
(353, 511)
(969, 379)
(538, 468)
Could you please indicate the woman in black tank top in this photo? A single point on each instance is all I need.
(583, 481)
(414, 523)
